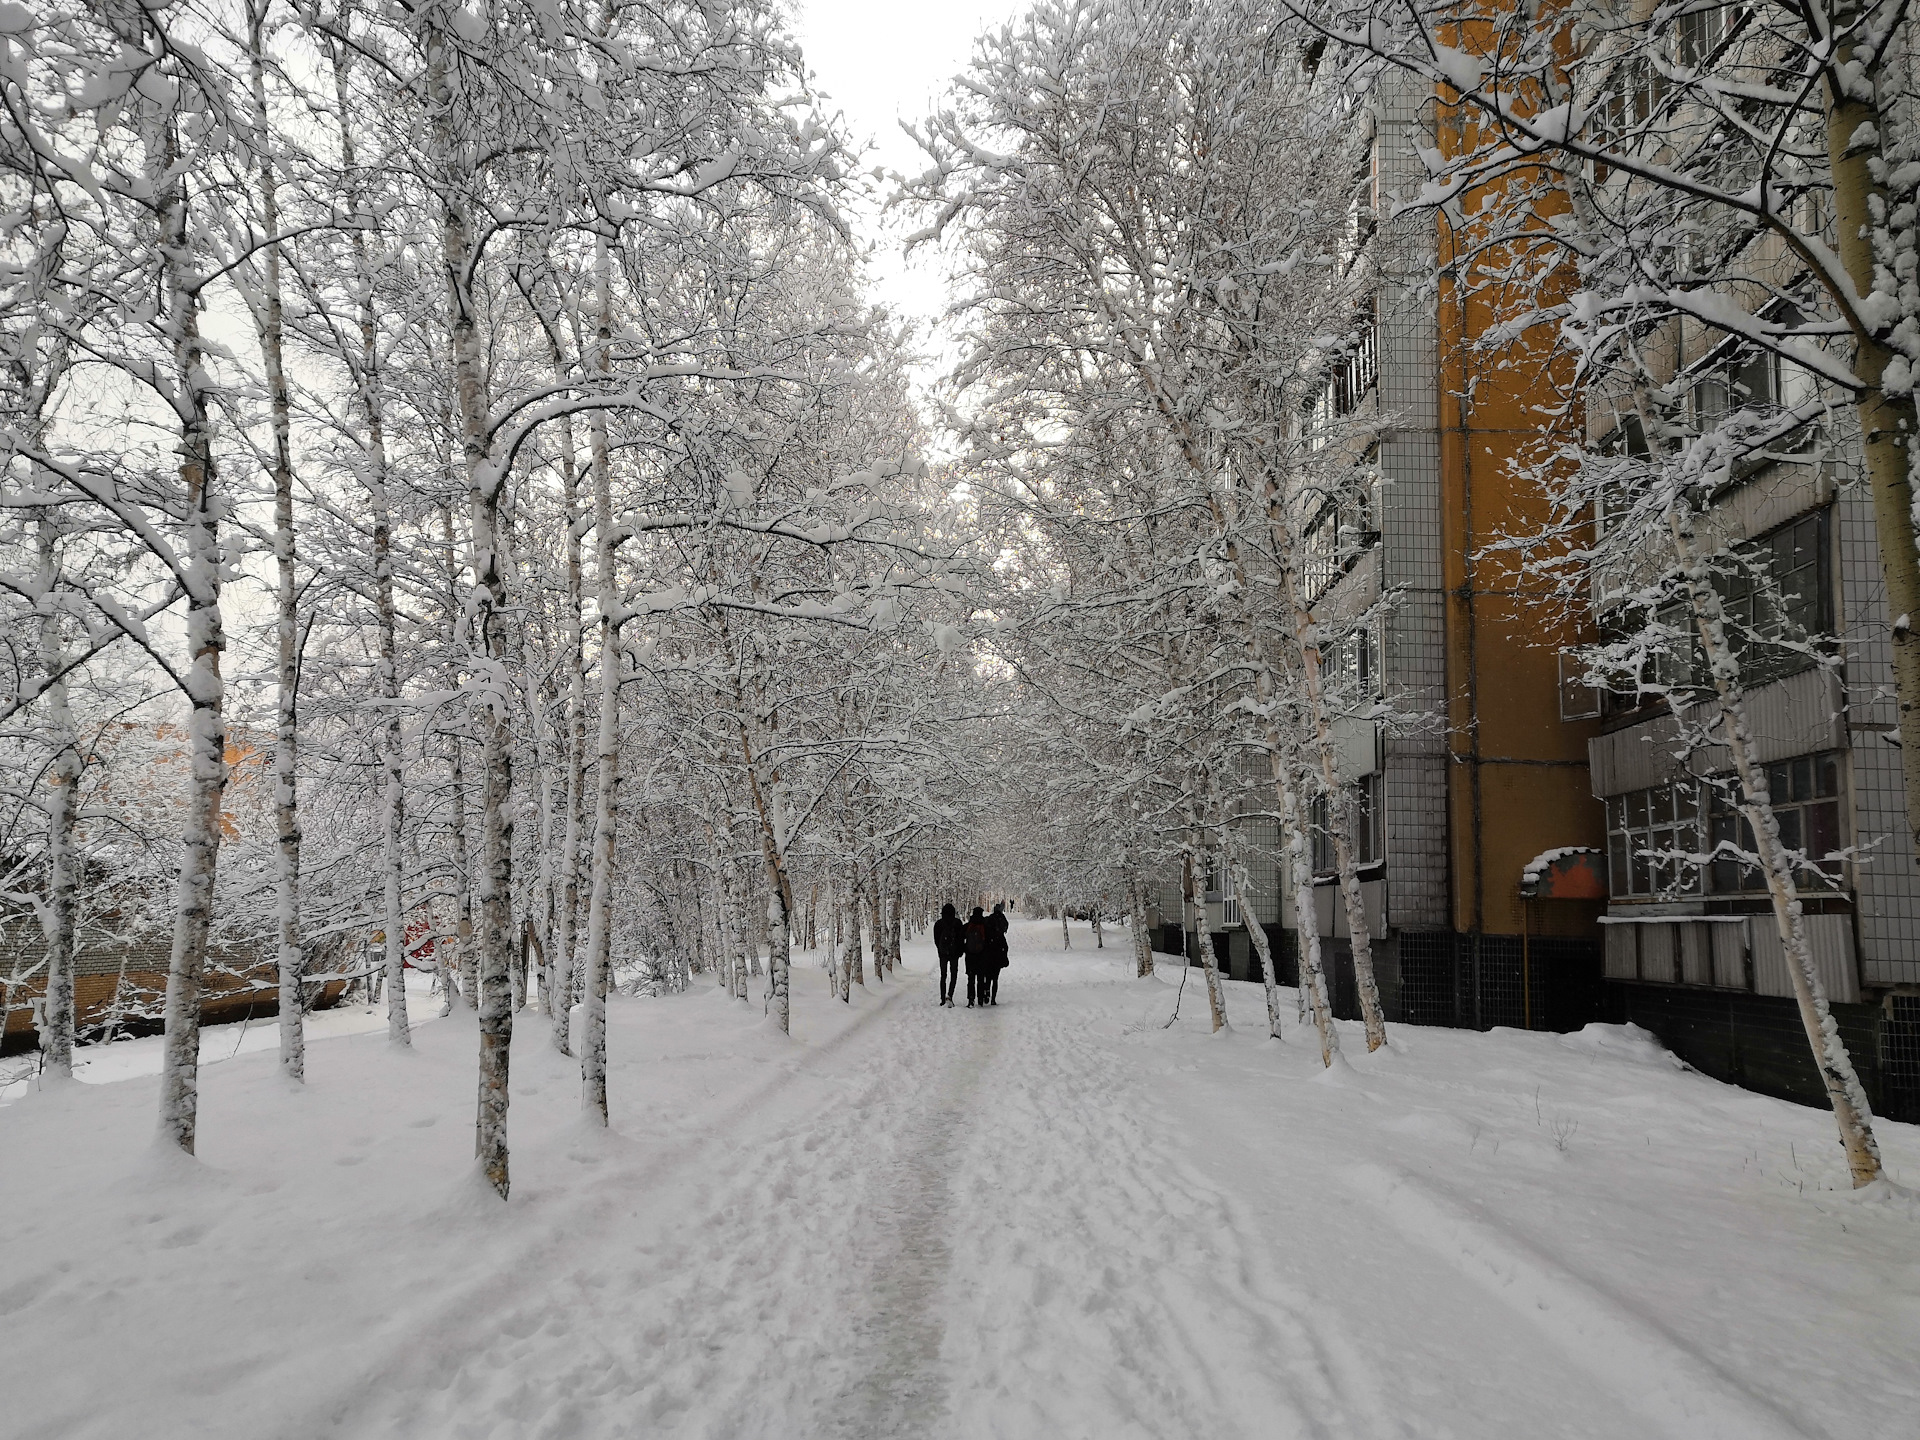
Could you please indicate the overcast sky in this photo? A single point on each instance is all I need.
(881, 63)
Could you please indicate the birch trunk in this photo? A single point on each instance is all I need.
(1856, 129)
(270, 318)
(606, 779)
(875, 926)
(206, 738)
(63, 788)
(1844, 1092)
(1263, 952)
(771, 809)
(466, 954)
(856, 960)
(1137, 917)
(574, 822)
(487, 645)
(1325, 752)
(393, 788)
(1311, 993)
(1216, 1000)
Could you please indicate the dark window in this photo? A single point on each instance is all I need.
(1702, 32)
(1776, 597)
(1780, 595)
(1369, 827)
(1806, 799)
(1650, 834)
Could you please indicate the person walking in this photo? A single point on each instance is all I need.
(950, 943)
(997, 951)
(979, 947)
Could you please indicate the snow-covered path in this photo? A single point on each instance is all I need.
(1054, 1218)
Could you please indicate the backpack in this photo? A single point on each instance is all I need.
(977, 936)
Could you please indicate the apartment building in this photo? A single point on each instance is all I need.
(1479, 774)
(1522, 835)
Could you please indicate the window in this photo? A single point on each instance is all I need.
(1351, 664)
(1739, 377)
(1627, 439)
(1702, 32)
(1648, 831)
(1358, 370)
(1369, 827)
(1351, 374)
(1776, 594)
(1578, 700)
(1651, 834)
(1332, 541)
(1806, 800)
(1782, 591)
(1631, 95)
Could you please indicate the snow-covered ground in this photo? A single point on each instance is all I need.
(128, 1058)
(1052, 1219)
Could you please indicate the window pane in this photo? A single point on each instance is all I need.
(1619, 872)
(1779, 784)
(1826, 775)
(1687, 839)
(1789, 828)
(1686, 801)
(1637, 810)
(1616, 813)
(1802, 780)
(1660, 806)
(1642, 871)
(1823, 834)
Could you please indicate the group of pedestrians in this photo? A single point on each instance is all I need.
(981, 941)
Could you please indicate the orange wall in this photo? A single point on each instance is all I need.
(1518, 783)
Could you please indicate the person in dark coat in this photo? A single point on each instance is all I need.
(997, 952)
(950, 941)
(979, 946)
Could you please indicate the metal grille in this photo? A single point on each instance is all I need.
(1900, 1059)
(1476, 982)
(1426, 977)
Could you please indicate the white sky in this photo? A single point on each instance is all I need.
(880, 63)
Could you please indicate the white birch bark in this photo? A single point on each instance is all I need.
(606, 779)
(1257, 934)
(1311, 995)
(769, 803)
(487, 654)
(63, 788)
(286, 747)
(1848, 1098)
(1326, 752)
(206, 740)
(1196, 920)
(466, 960)
(1137, 918)
(855, 956)
(393, 797)
(574, 821)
